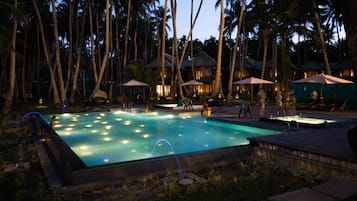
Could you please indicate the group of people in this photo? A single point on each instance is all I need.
(286, 102)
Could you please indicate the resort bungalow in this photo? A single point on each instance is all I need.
(162, 90)
(204, 69)
(343, 69)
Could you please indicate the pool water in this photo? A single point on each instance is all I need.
(100, 138)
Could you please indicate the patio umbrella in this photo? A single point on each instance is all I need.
(192, 83)
(135, 83)
(253, 81)
(323, 79)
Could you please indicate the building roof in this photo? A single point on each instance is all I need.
(157, 63)
(202, 60)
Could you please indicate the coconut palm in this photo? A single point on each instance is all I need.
(348, 10)
(12, 76)
(106, 52)
(56, 97)
(237, 40)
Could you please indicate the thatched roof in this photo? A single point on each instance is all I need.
(202, 60)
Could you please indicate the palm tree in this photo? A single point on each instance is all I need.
(234, 54)
(347, 9)
(56, 97)
(321, 38)
(106, 51)
(58, 56)
(217, 83)
(12, 76)
(79, 55)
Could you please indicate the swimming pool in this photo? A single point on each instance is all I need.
(102, 138)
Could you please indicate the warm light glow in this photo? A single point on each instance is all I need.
(88, 125)
(137, 131)
(104, 122)
(125, 141)
(146, 135)
(118, 119)
(127, 123)
(102, 114)
(142, 125)
(107, 139)
(83, 147)
(105, 133)
(68, 129)
(108, 127)
(94, 131)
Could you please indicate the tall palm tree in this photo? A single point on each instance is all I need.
(106, 51)
(234, 53)
(56, 97)
(163, 49)
(217, 83)
(347, 9)
(12, 76)
(58, 56)
(127, 26)
(79, 54)
(321, 38)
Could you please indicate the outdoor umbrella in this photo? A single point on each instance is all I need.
(135, 83)
(323, 79)
(253, 81)
(192, 83)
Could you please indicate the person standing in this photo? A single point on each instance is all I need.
(261, 100)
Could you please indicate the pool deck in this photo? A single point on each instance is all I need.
(329, 143)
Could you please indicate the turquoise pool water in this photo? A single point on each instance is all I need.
(100, 138)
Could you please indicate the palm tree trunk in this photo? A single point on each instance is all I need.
(265, 52)
(58, 57)
(56, 98)
(12, 72)
(185, 47)
(234, 54)
(70, 44)
(217, 83)
(163, 51)
(92, 51)
(191, 46)
(106, 51)
(79, 55)
(175, 47)
(321, 37)
(126, 36)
